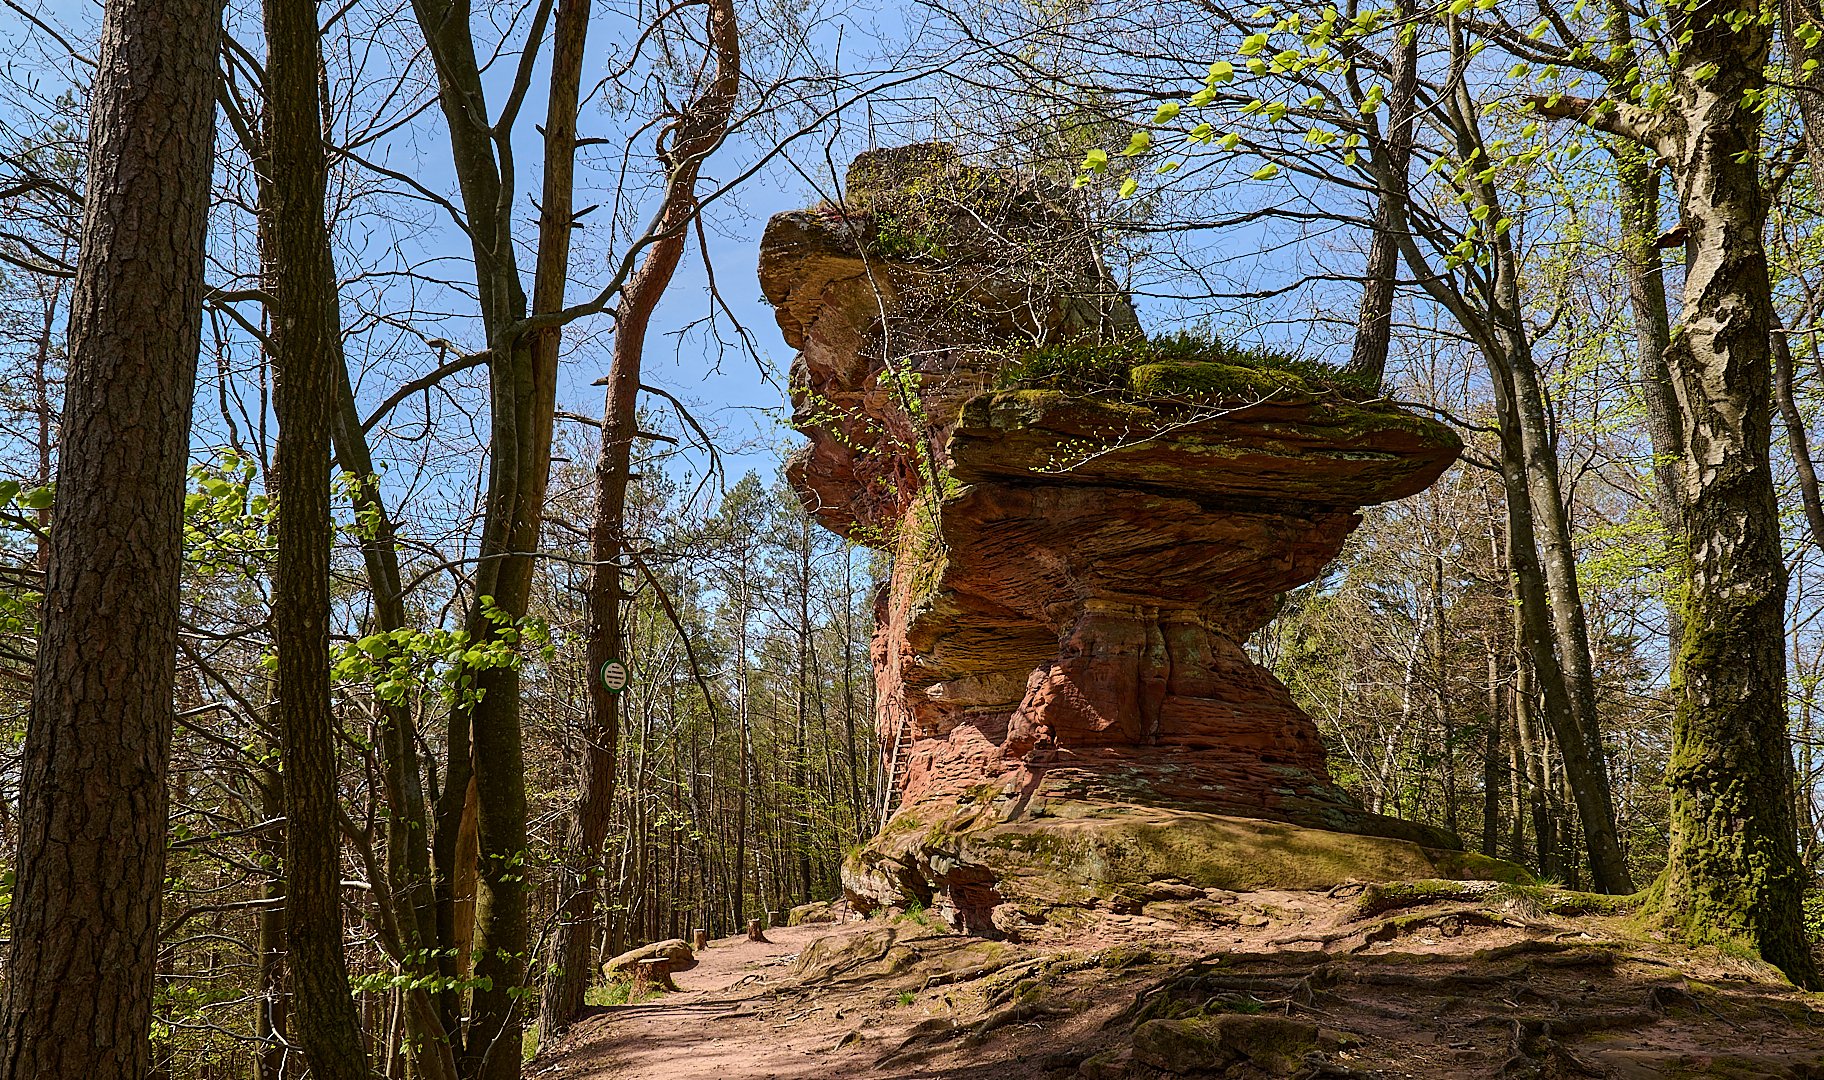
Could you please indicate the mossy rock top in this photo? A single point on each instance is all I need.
(1190, 366)
(1145, 843)
(1255, 438)
(899, 168)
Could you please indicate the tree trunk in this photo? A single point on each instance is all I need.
(270, 1024)
(695, 134)
(1392, 156)
(1536, 630)
(1492, 778)
(1528, 740)
(1733, 872)
(1639, 214)
(1522, 398)
(1807, 85)
(744, 748)
(91, 862)
(1798, 441)
(484, 791)
(408, 853)
(1554, 631)
(570, 965)
(1440, 679)
(306, 340)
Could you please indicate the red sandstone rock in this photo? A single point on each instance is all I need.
(1066, 621)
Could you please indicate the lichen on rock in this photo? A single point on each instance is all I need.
(1086, 528)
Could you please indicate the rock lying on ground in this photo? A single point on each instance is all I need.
(1086, 528)
(818, 911)
(676, 953)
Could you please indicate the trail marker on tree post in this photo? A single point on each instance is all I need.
(614, 676)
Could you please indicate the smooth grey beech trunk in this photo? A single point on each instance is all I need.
(1734, 871)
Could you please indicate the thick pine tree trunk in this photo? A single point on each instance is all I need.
(306, 347)
(91, 860)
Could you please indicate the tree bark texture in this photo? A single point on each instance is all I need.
(91, 860)
(306, 343)
(1392, 149)
(1733, 872)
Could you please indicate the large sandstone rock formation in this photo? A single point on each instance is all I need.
(1083, 537)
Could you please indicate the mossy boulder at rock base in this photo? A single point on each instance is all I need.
(974, 870)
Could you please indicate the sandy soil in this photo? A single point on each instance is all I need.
(1446, 990)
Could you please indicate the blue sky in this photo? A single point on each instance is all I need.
(731, 391)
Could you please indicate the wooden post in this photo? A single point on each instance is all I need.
(753, 932)
(699, 939)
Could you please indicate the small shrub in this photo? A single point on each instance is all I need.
(616, 992)
(1814, 917)
(1239, 1003)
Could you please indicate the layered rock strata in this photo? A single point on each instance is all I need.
(1077, 564)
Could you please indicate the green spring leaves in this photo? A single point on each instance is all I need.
(227, 522)
(1294, 44)
(402, 665)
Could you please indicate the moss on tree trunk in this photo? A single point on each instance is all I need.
(1733, 877)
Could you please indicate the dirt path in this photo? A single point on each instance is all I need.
(1440, 991)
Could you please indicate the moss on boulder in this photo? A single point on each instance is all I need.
(965, 863)
(1247, 439)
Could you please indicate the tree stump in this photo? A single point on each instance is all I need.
(753, 932)
(650, 975)
(699, 939)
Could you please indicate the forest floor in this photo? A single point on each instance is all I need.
(1374, 983)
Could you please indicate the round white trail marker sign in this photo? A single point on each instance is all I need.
(614, 676)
